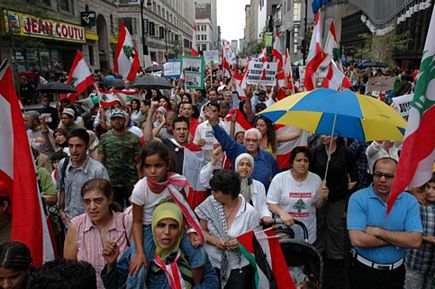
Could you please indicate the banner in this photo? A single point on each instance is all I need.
(193, 68)
(403, 104)
(263, 73)
(171, 69)
(211, 57)
(381, 83)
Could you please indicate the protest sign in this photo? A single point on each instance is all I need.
(171, 69)
(263, 73)
(193, 68)
(211, 57)
(381, 83)
(403, 104)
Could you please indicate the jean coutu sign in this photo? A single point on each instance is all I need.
(28, 25)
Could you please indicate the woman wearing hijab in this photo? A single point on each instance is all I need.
(170, 268)
(252, 190)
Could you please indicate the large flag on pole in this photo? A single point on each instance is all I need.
(315, 56)
(79, 77)
(335, 78)
(277, 53)
(126, 57)
(18, 173)
(418, 151)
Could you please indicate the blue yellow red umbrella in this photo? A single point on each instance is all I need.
(339, 113)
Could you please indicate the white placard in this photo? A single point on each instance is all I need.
(263, 73)
(172, 69)
(402, 104)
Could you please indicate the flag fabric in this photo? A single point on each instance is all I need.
(107, 98)
(418, 150)
(315, 56)
(269, 243)
(239, 80)
(335, 78)
(226, 59)
(263, 252)
(18, 173)
(248, 246)
(80, 77)
(277, 53)
(240, 118)
(172, 271)
(194, 49)
(126, 61)
(127, 94)
(317, 4)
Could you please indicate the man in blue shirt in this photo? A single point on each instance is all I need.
(379, 241)
(265, 167)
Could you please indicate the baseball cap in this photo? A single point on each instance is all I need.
(68, 111)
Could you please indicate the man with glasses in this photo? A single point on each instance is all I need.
(380, 241)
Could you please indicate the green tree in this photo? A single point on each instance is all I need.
(300, 205)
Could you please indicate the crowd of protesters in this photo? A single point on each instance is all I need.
(129, 189)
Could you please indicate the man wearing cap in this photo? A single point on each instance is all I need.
(380, 241)
(67, 118)
(119, 151)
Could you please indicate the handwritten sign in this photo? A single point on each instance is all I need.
(263, 73)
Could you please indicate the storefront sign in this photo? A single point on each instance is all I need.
(28, 25)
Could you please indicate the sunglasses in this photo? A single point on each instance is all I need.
(380, 175)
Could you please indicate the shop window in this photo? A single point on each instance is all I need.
(91, 55)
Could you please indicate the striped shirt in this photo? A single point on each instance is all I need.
(90, 242)
(75, 179)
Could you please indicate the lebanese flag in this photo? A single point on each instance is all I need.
(193, 50)
(335, 79)
(107, 98)
(127, 94)
(80, 77)
(18, 174)
(418, 151)
(315, 56)
(276, 52)
(126, 57)
(262, 250)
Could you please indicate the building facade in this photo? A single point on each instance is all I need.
(208, 9)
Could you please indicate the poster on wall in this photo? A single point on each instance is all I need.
(193, 68)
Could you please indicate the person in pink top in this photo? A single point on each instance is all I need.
(100, 226)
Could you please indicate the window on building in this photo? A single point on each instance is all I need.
(204, 47)
(65, 5)
(288, 5)
(128, 24)
(91, 55)
(198, 37)
(159, 10)
(297, 11)
(111, 23)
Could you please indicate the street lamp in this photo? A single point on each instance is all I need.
(144, 47)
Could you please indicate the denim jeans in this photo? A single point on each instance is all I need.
(416, 280)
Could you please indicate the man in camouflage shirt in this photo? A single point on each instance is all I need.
(119, 151)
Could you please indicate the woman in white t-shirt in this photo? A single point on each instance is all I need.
(296, 193)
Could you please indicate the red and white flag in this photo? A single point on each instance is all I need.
(80, 77)
(240, 82)
(277, 53)
(194, 49)
(262, 56)
(418, 151)
(107, 98)
(226, 59)
(127, 94)
(18, 173)
(315, 56)
(335, 78)
(126, 61)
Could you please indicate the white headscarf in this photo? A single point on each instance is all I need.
(246, 186)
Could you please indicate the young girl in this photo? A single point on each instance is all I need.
(15, 265)
(160, 184)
